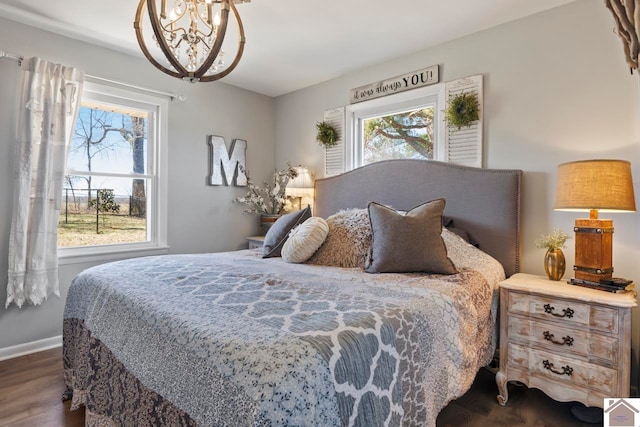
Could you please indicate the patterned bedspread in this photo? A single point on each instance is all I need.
(233, 339)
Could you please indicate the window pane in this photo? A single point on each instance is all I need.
(400, 135)
(100, 210)
(109, 139)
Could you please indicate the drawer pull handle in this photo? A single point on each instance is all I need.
(568, 340)
(566, 312)
(566, 370)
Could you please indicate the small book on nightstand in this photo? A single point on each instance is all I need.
(616, 285)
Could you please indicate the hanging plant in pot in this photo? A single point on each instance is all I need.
(554, 262)
(463, 110)
(326, 134)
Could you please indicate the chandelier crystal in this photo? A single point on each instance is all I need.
(190, 34)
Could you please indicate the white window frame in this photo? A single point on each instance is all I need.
(404, 101)
(156, 173)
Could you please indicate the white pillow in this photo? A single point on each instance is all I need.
(305, 239)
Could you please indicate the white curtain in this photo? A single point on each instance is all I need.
(49, 106)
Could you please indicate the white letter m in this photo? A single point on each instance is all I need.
(225, 164)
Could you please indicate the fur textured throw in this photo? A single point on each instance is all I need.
(348, 242)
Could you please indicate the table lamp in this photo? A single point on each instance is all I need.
(301, 186)
(593, 186)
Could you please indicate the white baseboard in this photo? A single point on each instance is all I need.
(30, 347)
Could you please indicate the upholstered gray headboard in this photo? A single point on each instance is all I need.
(484, 202)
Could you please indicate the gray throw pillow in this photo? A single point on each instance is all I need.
(408, 243)
(279, 231)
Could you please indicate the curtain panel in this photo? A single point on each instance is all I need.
(627, 16)
(48, 108)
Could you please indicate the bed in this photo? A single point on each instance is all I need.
(234, 339)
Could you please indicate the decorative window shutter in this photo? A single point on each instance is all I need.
(334, 157)
(464, 146)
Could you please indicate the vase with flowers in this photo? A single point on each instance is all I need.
(268, 200)
(554, 261)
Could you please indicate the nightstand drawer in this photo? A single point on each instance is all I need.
(572, 373)
(560, 339)
(255, 242)
(571, 342)
(565, 311)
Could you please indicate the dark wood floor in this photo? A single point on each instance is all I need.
(31, 386)
(526, 407)
(30, 390)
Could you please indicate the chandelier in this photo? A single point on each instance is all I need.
(190, 34)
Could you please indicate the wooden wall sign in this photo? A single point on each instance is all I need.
(425, 77)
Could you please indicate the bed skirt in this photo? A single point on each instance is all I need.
(111, 395)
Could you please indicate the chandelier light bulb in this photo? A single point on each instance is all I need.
(190, 36)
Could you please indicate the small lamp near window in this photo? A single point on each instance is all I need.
(301, 187)
(593, 186)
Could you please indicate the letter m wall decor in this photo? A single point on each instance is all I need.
(227, 167)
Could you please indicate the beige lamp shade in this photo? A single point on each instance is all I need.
(301, 185)
(602, 185)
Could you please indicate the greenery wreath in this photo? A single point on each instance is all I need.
(464, 109)
(327, 134)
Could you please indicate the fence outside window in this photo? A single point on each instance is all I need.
(101, 201)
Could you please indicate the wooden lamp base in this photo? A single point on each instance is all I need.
(594, 249)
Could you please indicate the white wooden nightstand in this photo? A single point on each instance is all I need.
(255, 242)
(571, 342)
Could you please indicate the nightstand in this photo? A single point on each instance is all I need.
(255, 241)
(573, 343)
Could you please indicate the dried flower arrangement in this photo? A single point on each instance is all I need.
(271, 198)
(555, 240)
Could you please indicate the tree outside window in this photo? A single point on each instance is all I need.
(105, 178)
(401, 135)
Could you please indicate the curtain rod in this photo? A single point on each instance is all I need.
(172, 96)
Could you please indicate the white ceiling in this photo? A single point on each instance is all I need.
(293, 44)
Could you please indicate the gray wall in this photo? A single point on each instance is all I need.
(201, 218)
(557, 89)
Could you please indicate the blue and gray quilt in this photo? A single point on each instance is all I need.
(236, 340)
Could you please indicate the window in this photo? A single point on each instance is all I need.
(405, 125)
(114, 193)
(400, 135)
